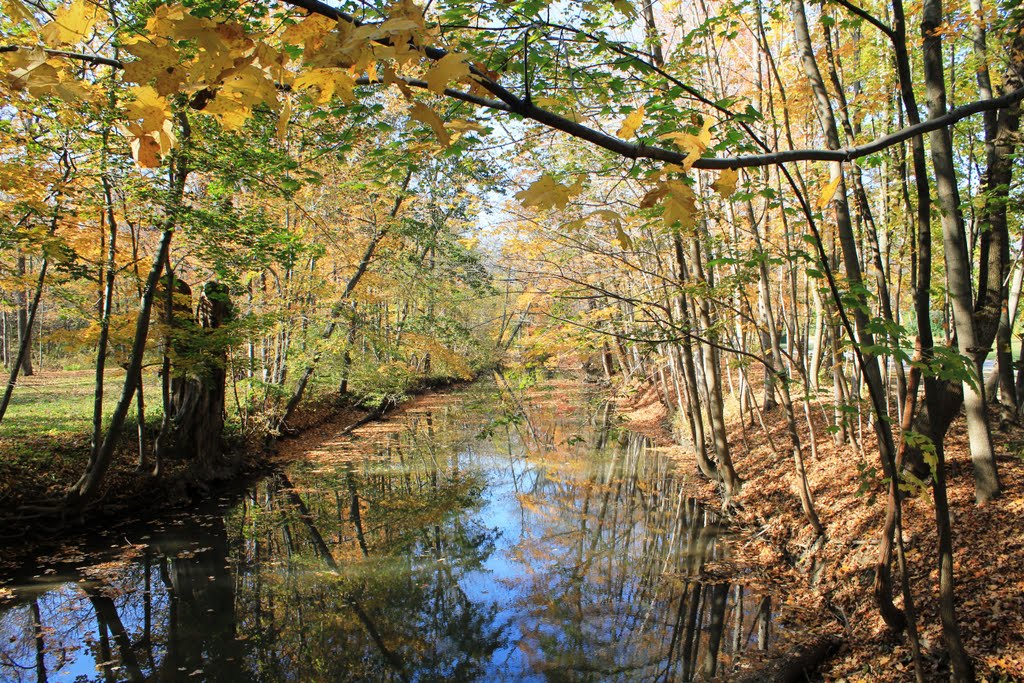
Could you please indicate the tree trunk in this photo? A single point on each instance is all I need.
(23, 347)
(958, 265)
(106, 305)
(198, 420)
(24, 324)
(88, 485)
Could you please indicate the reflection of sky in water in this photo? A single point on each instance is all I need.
(573, 561)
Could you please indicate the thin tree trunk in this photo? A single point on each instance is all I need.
(958, 265)
(24, 325)
(88, 485)
(107, 307)
(23, 347)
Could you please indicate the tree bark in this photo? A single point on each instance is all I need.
(24, 324)
(23, 346)
(958, 265)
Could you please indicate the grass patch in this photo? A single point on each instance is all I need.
(58, 404)
(45, 435)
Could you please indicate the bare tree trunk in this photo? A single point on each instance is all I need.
(88, 485)
(958, 265)
(107, 304)
(23, 347)
(24, 324)
(867, 362)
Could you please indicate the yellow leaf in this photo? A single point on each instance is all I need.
(653, 196)
(282, 120)
(462, 126)
(424, 114)
(828, 192)
(155, 63)
(148, 106)
(327, 81)
(145, 148)
(451, 67)
(71, 24)
(680, 204)
(631, 123)
(389, 77)
(309, 32)
(18, 13)
(694, 145)
(726, 183)
(229, 108)
(166, 138)
(546, 193)
(253, 87)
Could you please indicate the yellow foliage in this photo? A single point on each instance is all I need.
(327, 82)
(547, 193)
(631, 123)
(694, 145)
(829, 191)
(726, 183)
(424, 114)
(451, 67)
(19, 13)
(71, 24)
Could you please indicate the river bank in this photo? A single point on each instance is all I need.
(477, 534)
(833, 582)
(38, 463)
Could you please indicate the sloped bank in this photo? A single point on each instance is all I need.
(829, 586)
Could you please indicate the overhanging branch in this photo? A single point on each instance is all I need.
(508, 102)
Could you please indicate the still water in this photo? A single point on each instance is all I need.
(482, 534)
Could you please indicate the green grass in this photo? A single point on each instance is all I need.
(58, 404)
(45, 435)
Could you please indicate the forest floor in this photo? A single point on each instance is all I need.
(829, 589)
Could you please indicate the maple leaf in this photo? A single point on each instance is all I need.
(71, 24)
(694, 145)
(828, 192)
(424, 114)
(726, 183)
(390, 77)
(145, 148)
(451, 67)
(154, 63)
(309, 33)
(327, 82)
(680, 204)
(631, 123)
(149, 106)
(546, 193)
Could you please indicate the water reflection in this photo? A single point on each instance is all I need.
(483, 536)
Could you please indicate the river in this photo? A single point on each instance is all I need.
(480, 534)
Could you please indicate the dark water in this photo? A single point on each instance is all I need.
(482, 536)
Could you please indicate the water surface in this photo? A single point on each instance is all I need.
(482, 535)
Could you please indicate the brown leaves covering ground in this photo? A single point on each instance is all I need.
(829, 588)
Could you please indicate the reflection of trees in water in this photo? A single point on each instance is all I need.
(369, 561)
(358, 571)
(615, 552)
(165, 615)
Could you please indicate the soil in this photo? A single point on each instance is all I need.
(829, 588)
